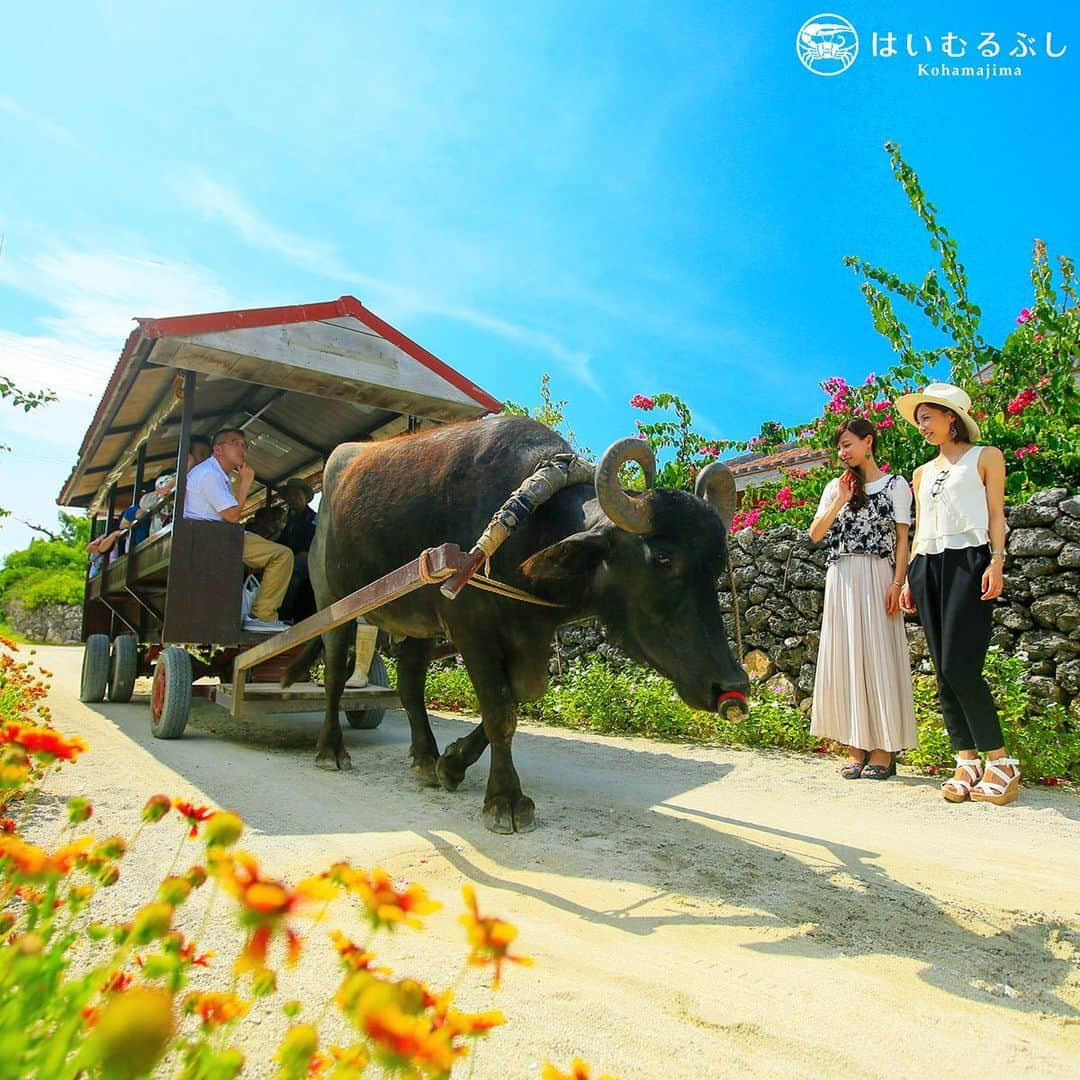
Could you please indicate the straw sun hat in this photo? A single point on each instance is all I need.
(945, 395)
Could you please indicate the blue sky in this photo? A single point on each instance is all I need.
(630, 197)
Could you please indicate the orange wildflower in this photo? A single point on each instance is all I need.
(214, 1009)
(349, 1061)
(489, 938)
(265, 905)
(194, 815)
(352, 956)
(7, 825)
(30, 861)
(578, 1071)
(386, 905)
(43, 741)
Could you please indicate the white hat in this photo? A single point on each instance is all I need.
(945, 395)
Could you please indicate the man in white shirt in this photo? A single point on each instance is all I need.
(210, 496)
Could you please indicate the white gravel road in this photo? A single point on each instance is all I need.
(693, 912)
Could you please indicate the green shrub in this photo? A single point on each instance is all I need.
(629, 700)
(47, 587)
(1043, 737)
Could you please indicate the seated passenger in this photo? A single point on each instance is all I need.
(210, 497)
(267, 522)
(299, 528)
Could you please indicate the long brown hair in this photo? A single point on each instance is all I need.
(860, 428)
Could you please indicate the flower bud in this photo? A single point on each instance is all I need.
(151, 921)
(79, 810)
(133, 1031)
(157, 806)
(223, 829)
(174, 890)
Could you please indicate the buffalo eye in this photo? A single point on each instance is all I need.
(662, 559)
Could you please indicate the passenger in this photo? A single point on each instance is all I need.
(210, 497)
(299, 528)
(267, 522)
(297, 535)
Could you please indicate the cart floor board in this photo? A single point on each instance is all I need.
(304, 697)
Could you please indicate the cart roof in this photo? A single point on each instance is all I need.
(299, 380)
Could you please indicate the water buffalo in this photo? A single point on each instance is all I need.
(645, 565)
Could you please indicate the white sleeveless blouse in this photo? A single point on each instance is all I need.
(951, 507)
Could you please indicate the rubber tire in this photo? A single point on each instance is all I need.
(123, 667)
(170, 698)
(95, 668)
(370, 719)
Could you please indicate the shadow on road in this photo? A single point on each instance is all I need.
(620, 814)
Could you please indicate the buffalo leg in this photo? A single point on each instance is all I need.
(414, 657)
(331, 752)
(506, 808)
(459, 755)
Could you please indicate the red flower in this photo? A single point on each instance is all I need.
(1025, 451)
(640, 401)
(1025, 316)
(194, 815)
(7, 825)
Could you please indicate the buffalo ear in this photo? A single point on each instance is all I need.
(575, 557)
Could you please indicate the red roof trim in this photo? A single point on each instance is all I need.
(216, 322)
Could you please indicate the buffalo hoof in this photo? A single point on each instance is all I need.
(425, 771)
(326, 759)
(450, 772)
(503, 815)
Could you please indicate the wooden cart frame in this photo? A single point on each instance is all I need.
(299, 381)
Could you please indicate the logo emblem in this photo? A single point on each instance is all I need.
(827, 45)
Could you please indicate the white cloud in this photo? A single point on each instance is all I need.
(50, 128)
(215, 201)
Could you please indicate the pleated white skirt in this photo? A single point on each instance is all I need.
(862, 689)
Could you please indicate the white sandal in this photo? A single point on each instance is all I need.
(958, 789)
(1003, 788)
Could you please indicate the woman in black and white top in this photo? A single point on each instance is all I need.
(862, 688)
(957, 567)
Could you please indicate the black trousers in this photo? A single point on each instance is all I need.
(946, 588)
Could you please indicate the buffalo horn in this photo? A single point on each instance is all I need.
(716, 485)
(629, 512)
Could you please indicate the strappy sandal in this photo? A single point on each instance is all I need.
(1003, 788)
(958, 789)
(880, 772)
(853, 770)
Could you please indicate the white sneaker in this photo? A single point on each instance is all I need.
(266, 626)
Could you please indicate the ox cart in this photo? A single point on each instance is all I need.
(298, 381)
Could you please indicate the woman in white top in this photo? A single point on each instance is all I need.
(957, 568)
(862, 687)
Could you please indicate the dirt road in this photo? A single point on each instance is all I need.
(692, 912)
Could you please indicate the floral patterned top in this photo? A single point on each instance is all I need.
(872, 529)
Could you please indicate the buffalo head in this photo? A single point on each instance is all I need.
(648, 567)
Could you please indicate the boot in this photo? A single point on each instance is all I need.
(365, 653)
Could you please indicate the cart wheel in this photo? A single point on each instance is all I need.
(170, 700)
(370, 719)
(123, 668)
(95, 668)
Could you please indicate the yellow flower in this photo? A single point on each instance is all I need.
(386, 904)
(489, 938)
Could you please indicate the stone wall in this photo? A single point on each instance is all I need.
(53, 624)
(779, 578)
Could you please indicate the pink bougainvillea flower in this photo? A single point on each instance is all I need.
(1025, 451)
(640, 401)
(1038, 337)
(1021, 402)
(1025, 316)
